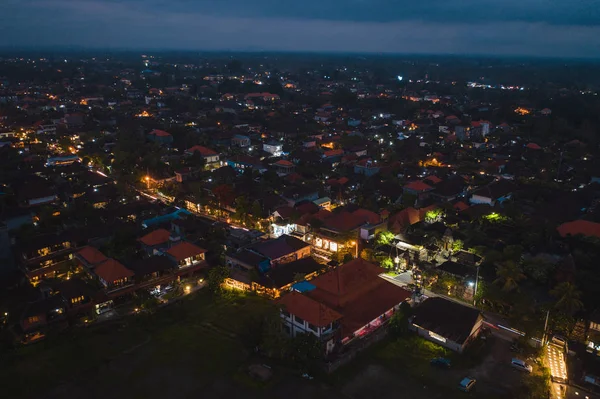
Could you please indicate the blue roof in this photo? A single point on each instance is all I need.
(165, 218)
(303, 286)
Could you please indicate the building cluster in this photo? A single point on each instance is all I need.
(121, 180)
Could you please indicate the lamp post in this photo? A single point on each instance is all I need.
(355, 243)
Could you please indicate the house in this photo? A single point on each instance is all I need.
(113, 275)
(90, 257)
(211, 157)
(243, 162)
(35, 192)
(341, 229)
(447, 323)
(496, 192)
(157, 268)
(353, 302)
(41, 316)
(155, 240)
(284, 167)
(303, 315)
(240, 141)
(160, 137)
(418, 188)
(274, 148)
(275, 281)
(449, 190)
(45, 255)
(366, 167)
(579, 227)
(281, 250)
(185, 254)
(185, 174)
(296, 194)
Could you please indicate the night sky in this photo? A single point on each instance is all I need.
(565, 28)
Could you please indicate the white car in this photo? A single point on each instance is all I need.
(560, 341)
(521, 365)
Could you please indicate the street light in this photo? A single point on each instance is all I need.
(147, 182)
(355, 243)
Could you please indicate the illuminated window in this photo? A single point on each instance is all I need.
(33, 319)
(437, 336)
(333, 246)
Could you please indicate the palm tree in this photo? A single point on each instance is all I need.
(568, 297)
(509, 274)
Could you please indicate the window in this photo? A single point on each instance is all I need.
(33, 319)
(313, 328)
(78, 299)
(285, 313)
(298, 320)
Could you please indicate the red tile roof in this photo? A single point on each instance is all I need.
(91, 255)
(583, 227)
(159, 133)
(418, 186)
(356, 291)
(111, 271)
(204, 151)
(533, 146)
(283, 162)
(333, 153)
(433, 179)
(156, 237)
(184, 250)
(308, 309)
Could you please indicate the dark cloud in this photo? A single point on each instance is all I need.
(527, 27)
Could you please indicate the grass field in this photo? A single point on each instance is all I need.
(198, 334)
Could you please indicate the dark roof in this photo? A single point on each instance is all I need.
(279, 247)
(456, 269)
(247, 257)
(446, 318)
(450, 187)
(150, 265)
(44, 306)
(74, 288)
(496, 190)
(282, 275)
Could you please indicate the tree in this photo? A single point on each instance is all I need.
(433, 215)
(509, 274)
(457, 245)
(387, 264)
(568, 297)
(538, 269)
(399, 322)
(305, 352)
(216, 277)
(384, 238)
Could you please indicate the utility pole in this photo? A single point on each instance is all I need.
(476, 284)
(545, 328)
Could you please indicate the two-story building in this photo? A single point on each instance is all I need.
(211, 157)
(345, 304)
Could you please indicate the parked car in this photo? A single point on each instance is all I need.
(466, 384)
(521, 365)
(441, 362)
